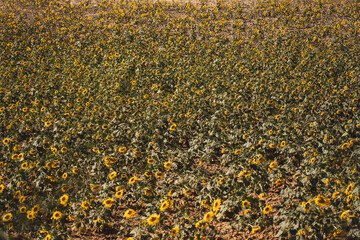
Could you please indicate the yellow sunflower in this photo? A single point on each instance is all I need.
(267, 209)
(112, 175)
(129, 213)
(173, 127)
(119, 194)
(159, 174)
(188, 191)
(216, 205)
(23, 209)
(174, 231)
(164, 205)
(153, 219)
(246, 204)
(132, 180)
(7, 217)
(237, 151)
(167, 164)
(208, 216)
(322, 201)
(57, 215)
(122, 149)
(64, 199)
(108, 202)
(349, 188)
(35, 209)
(151, 161)
(30, 215)
(6, 141)
(255, 230)
(200, 224)
(85, 205)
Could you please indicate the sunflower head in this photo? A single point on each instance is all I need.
(57, 215)
(208, 216)
(129, 213)
(267, 209)
(153, 219)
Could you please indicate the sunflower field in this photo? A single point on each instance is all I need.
(179, 120)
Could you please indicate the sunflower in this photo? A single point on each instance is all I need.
(48, 124)
(64, 176)
(2, 187)
(22, 199)
(167, 164)
(255, 230)
(24, 165)
(216, 205)
(267, 209)
(30, 215)
(119, 194)
(237, 151)
(85, 205)
(23, 209)
(57, 215)
(153, 219)
(35, 209)
(122, 149)
(222, 180)
(164, 205)
(345, 146)
(301, 232)
(64, 198)
(129, 213)
(148, 192)
(173, 127)
(349, 188)
(247, 211)
(174, 231)
(108, 202)
(171, 192)
(7, 217)
(188, 191)
(246, 204)
(208, 216)
(148, 174)
(6, 141)
(203, 203)
(283, 144)
(132, 180)
(64, 149)
(279, 182)
(159, 174)
(112, 175)
(244, 173)
(151, 161)
(94, 188)
(200, 224)
(344, 214)
(322, 201)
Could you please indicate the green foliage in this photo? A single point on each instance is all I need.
(187, 114)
